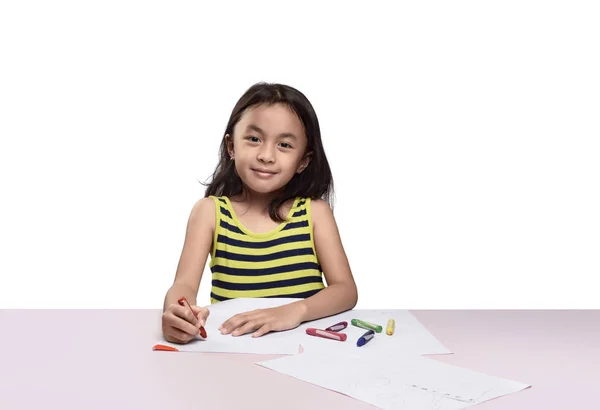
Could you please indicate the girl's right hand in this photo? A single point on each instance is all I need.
(179, 325)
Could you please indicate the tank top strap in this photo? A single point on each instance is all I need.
(224, 217)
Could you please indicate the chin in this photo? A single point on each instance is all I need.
(262, 187)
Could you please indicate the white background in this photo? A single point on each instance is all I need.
(463, 139)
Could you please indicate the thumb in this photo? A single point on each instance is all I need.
(202, 314)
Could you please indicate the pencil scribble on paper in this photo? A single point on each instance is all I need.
(392, 393)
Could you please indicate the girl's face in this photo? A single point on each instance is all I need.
(268, 147)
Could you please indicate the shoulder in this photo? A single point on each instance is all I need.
(320, 211)
(203, 212)
(205, 204)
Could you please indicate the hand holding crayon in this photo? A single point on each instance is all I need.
(183, 322)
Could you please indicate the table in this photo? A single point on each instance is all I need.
(102, 359)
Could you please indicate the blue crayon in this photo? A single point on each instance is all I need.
(365, 338)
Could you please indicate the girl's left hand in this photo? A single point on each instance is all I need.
(263, 321)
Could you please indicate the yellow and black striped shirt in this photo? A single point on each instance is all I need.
(279, 263)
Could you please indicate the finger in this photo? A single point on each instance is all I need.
(233, 323)
(182, 325)
(266, 328)
(250, 326)
(172, 339)
(177, 335)
(184, 313)
(202, 313)
(240, 319)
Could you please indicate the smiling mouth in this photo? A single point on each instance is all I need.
(263, 172)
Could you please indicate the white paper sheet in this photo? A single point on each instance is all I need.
(402, 382)
(272, 343)
(410, 336)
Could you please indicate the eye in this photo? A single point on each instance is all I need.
(252, 138)
(285, 145)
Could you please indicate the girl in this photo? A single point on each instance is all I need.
(266, 222)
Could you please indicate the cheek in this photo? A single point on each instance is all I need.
(291, 163)
(243, 154)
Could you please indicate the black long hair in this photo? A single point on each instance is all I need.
(314, 182)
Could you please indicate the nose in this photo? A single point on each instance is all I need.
(266, 154)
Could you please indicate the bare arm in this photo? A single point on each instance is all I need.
(341, 293)
(196, 247)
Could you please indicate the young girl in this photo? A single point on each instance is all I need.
(264, 223)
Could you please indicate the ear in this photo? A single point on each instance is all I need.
(229, 144)
(304, 162)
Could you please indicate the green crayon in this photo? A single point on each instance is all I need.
(366, 325)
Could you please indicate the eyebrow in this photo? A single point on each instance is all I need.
(258, 129)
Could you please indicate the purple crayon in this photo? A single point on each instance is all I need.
(337, 327)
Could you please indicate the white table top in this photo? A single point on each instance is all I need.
(103, 359)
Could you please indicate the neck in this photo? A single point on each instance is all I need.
(257, 202)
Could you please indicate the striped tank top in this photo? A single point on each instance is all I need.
(279, 263)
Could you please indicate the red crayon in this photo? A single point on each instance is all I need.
(183, 302)
(326, 334)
